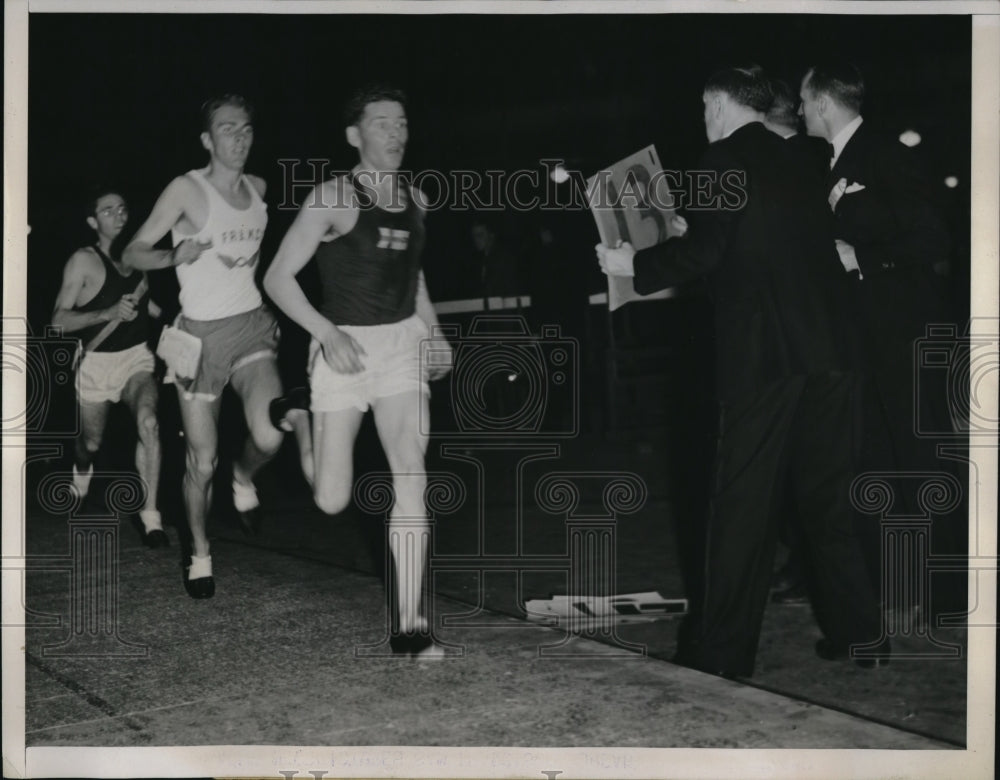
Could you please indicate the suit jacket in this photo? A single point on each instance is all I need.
(892, 223)
(763, 239)
(897, 234)
(813, 153)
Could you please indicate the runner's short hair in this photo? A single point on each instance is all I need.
(370, 93)
(213, 104)
(97, 191)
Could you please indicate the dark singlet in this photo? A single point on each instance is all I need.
(369, 276)
(127, 334)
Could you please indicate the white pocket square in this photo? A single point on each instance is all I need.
(855, 187)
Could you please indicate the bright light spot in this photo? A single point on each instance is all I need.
(29, 230)
(951, 182)
(511, 377)
(559, 174)
(909, 138)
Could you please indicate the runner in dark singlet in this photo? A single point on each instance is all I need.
(116, 364)
(367, 232)
(370, 275)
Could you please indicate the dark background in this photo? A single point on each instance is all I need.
(115, 97)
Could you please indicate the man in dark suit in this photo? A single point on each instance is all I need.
(890, 238)
(763, 241)
(790, 585)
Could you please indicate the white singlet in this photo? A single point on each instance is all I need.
(220, 283)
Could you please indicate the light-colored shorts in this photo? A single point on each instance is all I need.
(102, 376)
(392, 366)
(227, 345)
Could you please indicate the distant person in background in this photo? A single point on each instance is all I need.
(782, 118)
(108, 308)
(892, 240)
(498, 269)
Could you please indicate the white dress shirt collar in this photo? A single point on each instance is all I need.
(840, 139)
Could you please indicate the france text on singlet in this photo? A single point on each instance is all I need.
(127, 334)
(369, 276)
(220, 283)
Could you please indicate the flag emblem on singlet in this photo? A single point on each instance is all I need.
(393, 239)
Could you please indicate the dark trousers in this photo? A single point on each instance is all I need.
(893, 312)
(794, 435)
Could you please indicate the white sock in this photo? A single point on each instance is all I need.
(150, 520)
(244, 497)
(81, 482)
(200, 567)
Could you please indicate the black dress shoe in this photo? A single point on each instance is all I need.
(411, 643)
(829, 650)
(200, 588)
(793, 595)
(278, 409)
(152, 539)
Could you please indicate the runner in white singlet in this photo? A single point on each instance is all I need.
(216, 217)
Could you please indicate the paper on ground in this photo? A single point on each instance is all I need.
(624, 608)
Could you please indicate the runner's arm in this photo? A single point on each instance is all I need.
(63, 316)
(169, 209)
(438, 353)
(299, 244)
(316, 219)
(425, 309)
